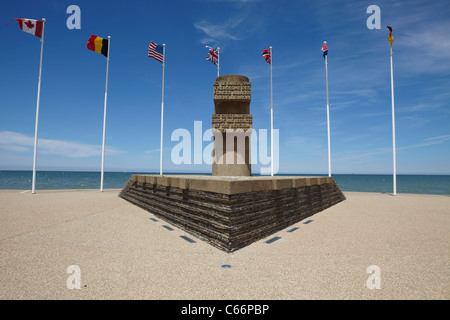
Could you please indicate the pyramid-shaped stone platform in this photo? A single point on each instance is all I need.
(231, 212)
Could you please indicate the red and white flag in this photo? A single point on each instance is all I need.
(267, 54)
(31, 26)
(156, 51)
(213, 55)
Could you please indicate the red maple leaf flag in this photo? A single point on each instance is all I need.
(31, 26)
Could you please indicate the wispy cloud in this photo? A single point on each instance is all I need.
(439, 138)
(238, 26)
(366, 156)
(428, 142)
(415, 108)
(426, 48)
(17, 142)
(227, 30)
(152, 151)
(362, 156)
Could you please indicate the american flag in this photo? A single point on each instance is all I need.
(155, 51)
(213, 55)
(267, 55)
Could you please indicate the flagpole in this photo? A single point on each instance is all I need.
(271, 114)
(162, 112)
(393, 128)
(328, 117)
(218, 61)
(33, 184)
(104, 117)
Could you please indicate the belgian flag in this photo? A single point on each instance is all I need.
(98, 44)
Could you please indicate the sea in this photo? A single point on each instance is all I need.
(53, 180)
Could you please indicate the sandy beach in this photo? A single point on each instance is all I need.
(123, 253)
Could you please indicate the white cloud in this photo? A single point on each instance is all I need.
(439, 138)
(152, 151)
(425, 47)
(17, 142)
(217, 32)
(369, 155)
(236, 27)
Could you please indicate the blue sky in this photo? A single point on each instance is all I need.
(73, 82)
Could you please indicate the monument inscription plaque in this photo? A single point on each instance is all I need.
(228, 90)
(231, 121)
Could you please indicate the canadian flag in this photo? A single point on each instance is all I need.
(31, 26)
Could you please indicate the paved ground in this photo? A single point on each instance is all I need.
(122, 253)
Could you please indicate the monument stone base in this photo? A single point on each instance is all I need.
(231, 212)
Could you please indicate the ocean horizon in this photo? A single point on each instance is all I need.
(377, 183)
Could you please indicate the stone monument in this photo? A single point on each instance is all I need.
(231, 209)
(232, 125)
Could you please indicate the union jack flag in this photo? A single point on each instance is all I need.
(213, 55)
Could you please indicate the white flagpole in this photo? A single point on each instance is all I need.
(328, 118)
(393, 128)
(104, 117)
(162, 112)
(33, 184)
(271, 114)
(218, 61)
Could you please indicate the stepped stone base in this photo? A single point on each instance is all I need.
(231, 212)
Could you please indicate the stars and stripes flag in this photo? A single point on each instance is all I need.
(267, 55)
(213, 55)
(30, 26)
(324, 49)
(155, 51)
(158, 53)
